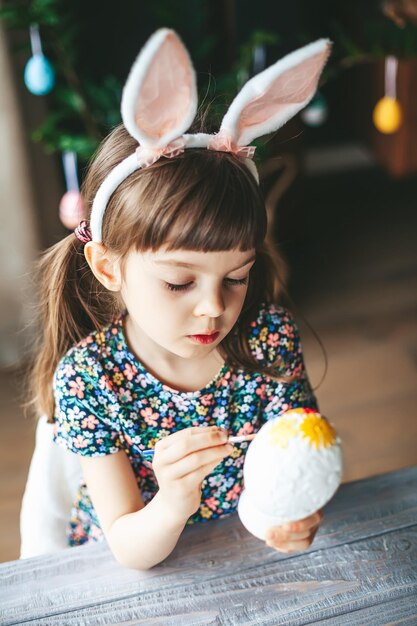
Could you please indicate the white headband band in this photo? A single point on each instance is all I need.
(159, 103)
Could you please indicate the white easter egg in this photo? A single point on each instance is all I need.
(292, 468)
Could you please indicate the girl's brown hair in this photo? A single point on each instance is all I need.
(201, 200)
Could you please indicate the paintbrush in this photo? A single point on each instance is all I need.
(148, 454)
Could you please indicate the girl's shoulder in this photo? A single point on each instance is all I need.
(273, 319)
(273, 332)
(273, 314)
(94, 352)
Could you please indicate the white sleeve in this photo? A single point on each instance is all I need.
(53, 479)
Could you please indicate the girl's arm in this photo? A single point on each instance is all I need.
(141, 536)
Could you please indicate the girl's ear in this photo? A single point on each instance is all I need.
(103, 264)
(159, 100)
(272, 97)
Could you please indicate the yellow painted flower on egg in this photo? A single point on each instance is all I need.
(318, 431)
(282, 431)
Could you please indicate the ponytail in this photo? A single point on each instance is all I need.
(72, 303)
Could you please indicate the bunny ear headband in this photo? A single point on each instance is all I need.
(159, 103)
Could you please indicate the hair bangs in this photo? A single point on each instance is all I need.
(201, 200)
(211, 220)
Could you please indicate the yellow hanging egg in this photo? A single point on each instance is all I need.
(387, 115)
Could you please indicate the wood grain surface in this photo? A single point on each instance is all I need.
(361, 569)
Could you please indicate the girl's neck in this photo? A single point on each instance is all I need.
(182, 374)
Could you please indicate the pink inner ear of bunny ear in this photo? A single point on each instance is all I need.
(166, 96)
(282, 99)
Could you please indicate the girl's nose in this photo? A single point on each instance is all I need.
(210, 304)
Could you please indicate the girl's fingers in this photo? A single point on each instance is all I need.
(173, 438)
(196, 461)
(290, 546)
(175, 447)
(283, 536)
(199, 475)
(293, 543)
(279, 533)
(302, 525)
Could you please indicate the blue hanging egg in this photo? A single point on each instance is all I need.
(39, 75)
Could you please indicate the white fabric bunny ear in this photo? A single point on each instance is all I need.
(272, 97)
(159, 100)
(159, 103)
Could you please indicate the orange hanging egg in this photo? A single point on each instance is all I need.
(387, 115)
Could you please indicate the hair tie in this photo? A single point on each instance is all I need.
(83, 232)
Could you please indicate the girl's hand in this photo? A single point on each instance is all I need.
(182, 461)
(294, 536)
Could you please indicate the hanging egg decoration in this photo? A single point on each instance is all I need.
(316, 113)
(71, 207)
(258, 58)
(387, 114)
(39, 75)
(292, 468)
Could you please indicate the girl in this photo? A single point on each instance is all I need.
(161, 328)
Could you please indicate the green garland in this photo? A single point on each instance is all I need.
(83, 109)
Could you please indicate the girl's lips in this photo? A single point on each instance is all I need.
(205, 338)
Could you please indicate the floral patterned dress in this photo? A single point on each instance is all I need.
(106, 401)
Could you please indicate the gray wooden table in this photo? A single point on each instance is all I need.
(361, 569)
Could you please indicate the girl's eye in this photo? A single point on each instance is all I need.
(230, 281)
(237, 281)
(172, 287)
